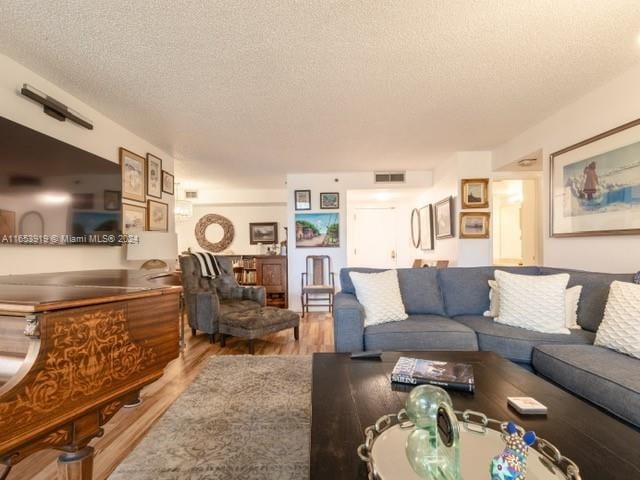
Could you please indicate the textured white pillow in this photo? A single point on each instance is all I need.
(534, 302)
(571, 298)
(379, 294)
(620, 327)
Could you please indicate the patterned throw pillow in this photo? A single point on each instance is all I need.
(571, 298)
(637, 278)
(620, 327)
(533, 302)
(379, 294)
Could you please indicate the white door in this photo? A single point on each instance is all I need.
(374, 238)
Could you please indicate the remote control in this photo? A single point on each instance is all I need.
(374, 354)
(527, 405)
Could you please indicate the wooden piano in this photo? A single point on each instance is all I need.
(74, 348)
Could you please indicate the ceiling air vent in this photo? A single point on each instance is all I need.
(191, 194)
(389, 177)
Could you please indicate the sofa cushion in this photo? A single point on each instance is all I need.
(466, 289)
(595, 291)
(420, 332)
(602, 376)
(419, 287)
(516, 343)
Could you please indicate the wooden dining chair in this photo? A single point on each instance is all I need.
(317, 283)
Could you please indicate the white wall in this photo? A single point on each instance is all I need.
(609, 106)
(340, 183)
(104, 140)
(240, 215)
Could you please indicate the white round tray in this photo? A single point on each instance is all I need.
(388, 460)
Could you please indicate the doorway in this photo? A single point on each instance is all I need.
(374, 237)
(516, 224)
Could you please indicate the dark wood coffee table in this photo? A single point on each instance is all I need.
(349, 395)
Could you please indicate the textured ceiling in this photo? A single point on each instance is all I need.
(235, 88)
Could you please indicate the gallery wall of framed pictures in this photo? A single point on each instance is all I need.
(144, 184)
(474, 195)
(317, 230)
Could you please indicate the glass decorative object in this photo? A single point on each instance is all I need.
(433, 447)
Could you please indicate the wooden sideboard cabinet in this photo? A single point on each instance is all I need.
(271, 273)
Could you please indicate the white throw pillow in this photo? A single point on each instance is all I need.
(379, 294)
(572, 300)
(620, 327)
(534, 302)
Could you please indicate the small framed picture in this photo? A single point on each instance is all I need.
(157, 216)
(474, 224)
(154, 176)
(133, 175)
(82, 201)
(263, 233)
(167, 182)
(111, 200)
(302, 199)
(475, 193)
(444, 219)
(426, 228)
(329, 200)
(134, 218)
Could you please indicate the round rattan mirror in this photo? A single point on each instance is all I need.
(415, 227)
(227, 232)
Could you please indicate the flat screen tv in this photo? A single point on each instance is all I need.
(52, 193)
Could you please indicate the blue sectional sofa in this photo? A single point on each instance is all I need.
(446, 307)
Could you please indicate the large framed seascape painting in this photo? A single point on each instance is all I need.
(317, 230)
(595, 185)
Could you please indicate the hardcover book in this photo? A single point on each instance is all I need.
(416, 371)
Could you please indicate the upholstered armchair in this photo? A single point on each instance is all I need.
(208, 299)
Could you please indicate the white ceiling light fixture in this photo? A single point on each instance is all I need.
(527, 162)
(53, 198)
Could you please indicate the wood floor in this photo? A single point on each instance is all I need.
(129, 426)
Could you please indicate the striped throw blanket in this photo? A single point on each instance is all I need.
(208, 264)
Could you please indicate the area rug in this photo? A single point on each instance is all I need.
(244, 417)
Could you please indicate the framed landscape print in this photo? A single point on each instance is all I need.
(475, 193)
(157, 216)
(595, 185)
(302, 199)
(329, 200)
(263, 233)
(317, 230)
(444, 219)
(167, 182)
(426, 228)
(154, 176)
(134, 219)
(133, 175)
(474, 224)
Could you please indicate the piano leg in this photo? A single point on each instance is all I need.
(76, 465)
